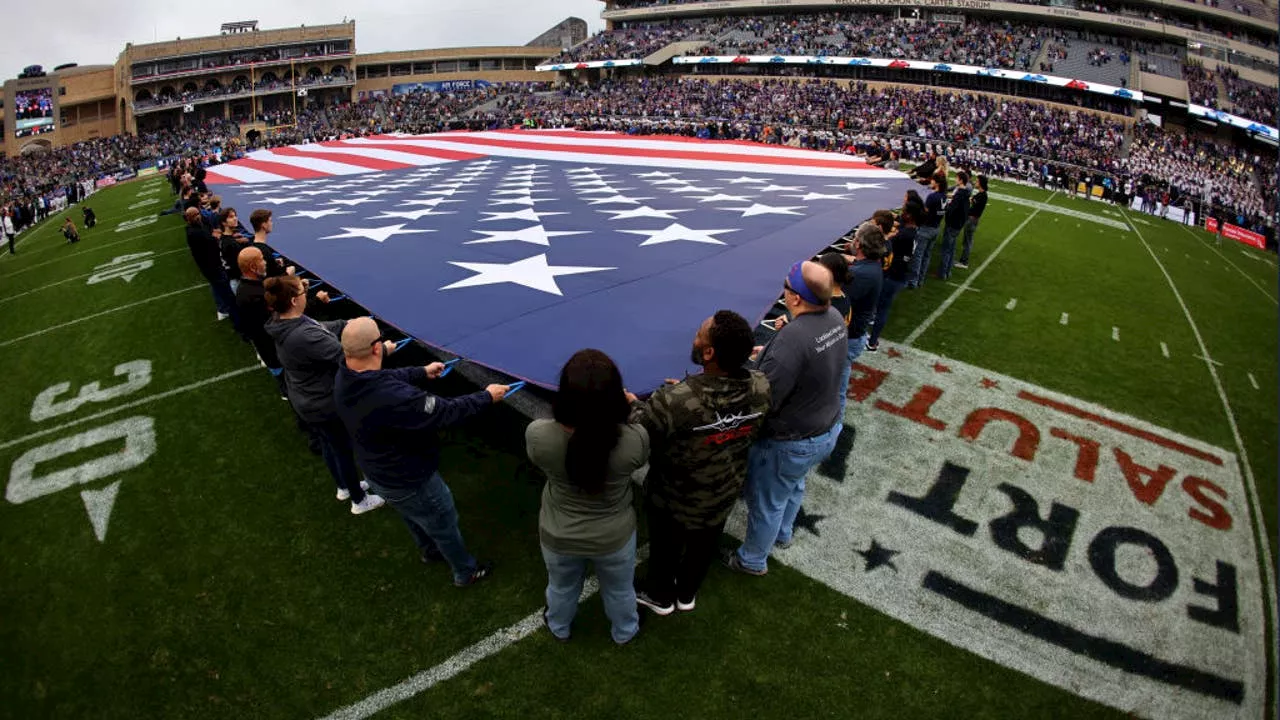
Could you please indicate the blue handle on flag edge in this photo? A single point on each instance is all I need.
(317, 284)
(448, 367)
(337, 298)
(514, 388)
(403, 342)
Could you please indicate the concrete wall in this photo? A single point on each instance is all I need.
(237, 41)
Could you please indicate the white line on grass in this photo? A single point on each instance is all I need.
(1207, 359)
(1164, 349)
(77, 321)
(1115, 333)
(493, 644)
(95, 248)
(1064, 319)
(1254, 382)
(951, 299)
(1252, 282)
(1260, 531)
(1013, 303)
(129, 406)
(78, 277)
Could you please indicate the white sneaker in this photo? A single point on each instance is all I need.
(223, 316)
(371, 502)
(686, 606)
(343, 495)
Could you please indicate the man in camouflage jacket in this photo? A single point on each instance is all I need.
(701, 431)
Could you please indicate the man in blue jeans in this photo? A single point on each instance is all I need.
(928, 230)
(393, 425)
(957, 214)
(803, 364)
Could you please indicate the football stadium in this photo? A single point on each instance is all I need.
(831, 358)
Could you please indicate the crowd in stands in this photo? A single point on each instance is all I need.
(1075, 137)
(1254, 101)
(1202, 89)
(266, 85)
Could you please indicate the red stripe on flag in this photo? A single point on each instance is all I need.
(1125, 428)
(293, 172)
(213, 178)
(398, 145)
(371, 163)
(624, 151)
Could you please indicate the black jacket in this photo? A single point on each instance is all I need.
(204, 250)
(252, 303)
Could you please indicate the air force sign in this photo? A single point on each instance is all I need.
(1094, 551)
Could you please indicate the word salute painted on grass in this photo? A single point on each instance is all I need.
(1094, 551)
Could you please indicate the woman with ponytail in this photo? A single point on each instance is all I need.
(310, 353)
(589, 453)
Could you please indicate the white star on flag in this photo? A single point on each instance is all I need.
(676, 232)
(317, 214)
(859, 186)
(522, 184)
(411, 214)
(371, 193)
(818, 196)
(280, 200)
(429, 202)
(779, 188)
(592, 191)
(617, 199)
(523, 193)
(530, 166)
(655, 173)
(534, 235)
(533, 273)
(722, 198)
(447, 193)
(378, 234)
(353, 201)
(693, 189)
(316, 192)
(588, 183)
(642, 212)
(743, 179)
(526, 200)
(526, 214)
(670, 181)
(583, 170)
(760, 209)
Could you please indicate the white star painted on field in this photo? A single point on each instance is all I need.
(743, 179)
(818, 196)
(353, 201)
(411, 214)
(526, 214)
(780, 188)
(675, 232)
(378, 234)
(317, 214)
(533, 273)
(859, 186)
(642, 212)
(534, 235)
(429, 202)
(280, 200)
(722, 198)
(760, 209)
(617, 200)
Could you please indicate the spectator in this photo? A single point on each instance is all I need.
(928, 231)
(977, 204)
(393, 424)
(803, 365)
(701, 431)
(69, 231)
(205, 254)
(254, 313)
(957, 215)
(589, 453)
(901, 244)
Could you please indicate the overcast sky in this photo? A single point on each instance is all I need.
(92, 33)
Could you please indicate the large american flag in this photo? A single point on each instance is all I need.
(515, 248)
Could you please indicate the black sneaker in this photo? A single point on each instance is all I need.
(873, 347)
(480, 574)
(429, 557)
(643, 598)
(733, 562)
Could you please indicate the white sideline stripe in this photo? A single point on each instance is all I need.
(1210, 245)
(95, 271)
(1253, 381)
(1064, 319)
(77, 321)
(1115, 333)
(1260, 527)
(1164, 349)
(129, 406)
(951, 299)
(493, 644)
(82, 252)
(1013, 303)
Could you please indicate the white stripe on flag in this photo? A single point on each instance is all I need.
(374, 153)
(245, 174)
(317, 164)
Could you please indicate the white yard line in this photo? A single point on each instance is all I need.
(493, 644)
(1260, 526)
(1013, 303)
(1115, 333)
(77, 321)
(1066, 318)
(130, 405)
(1164, 349)
(1254, 382)
(95, 248)
(78, 277)
(951, 299)
(1252, 282)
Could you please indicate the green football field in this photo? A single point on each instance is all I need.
(173, 550)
